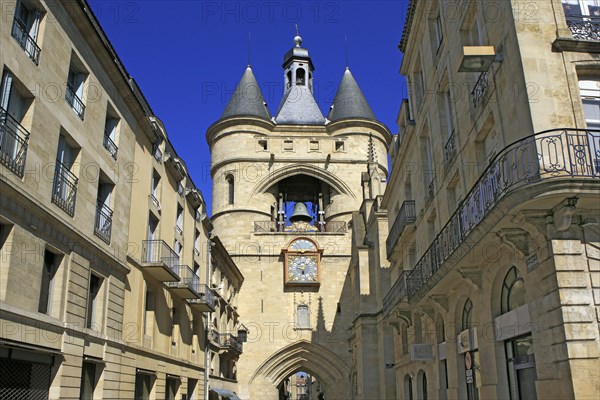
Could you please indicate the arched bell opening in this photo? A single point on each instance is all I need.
(301, 204)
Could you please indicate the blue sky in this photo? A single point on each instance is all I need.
(187, 57)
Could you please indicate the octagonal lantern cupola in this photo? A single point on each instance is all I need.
(298, 105)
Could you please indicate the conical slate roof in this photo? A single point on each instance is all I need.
(298, 107)
(350, 101)
(247, 100)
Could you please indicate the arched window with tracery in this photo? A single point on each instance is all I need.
(513, 291)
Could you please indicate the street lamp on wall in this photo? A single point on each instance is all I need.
(477, 58)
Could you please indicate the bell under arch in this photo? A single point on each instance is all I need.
(302, 356)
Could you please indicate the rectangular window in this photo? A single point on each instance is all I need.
(25, 29)
(143, 386)
(339, 145)
(263, 145)
(313, 145)
(197, 243)
(191, 389)
(93, 303)
(155, 189)
(171, 388)
(179, 220)
(64, 191)
(49, 269)
(104, 214)
(288, 145)
(75, 84)
(110, 133)
(148, 313)
(14, 104)
(88, 381)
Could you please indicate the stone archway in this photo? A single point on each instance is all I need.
(304, 169)
(301, 356)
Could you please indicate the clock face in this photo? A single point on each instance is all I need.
(302, 269)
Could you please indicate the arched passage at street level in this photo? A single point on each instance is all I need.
(304, 169)
(305, 356)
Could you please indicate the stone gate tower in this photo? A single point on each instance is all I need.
(296, 299)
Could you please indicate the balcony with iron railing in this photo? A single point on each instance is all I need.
(206, 302)
(103, 224)
(14, 141)
(74, 101)
(188, 287)
(450, 150)
(406, 216)
(584, 27)
(281, 227)
(230, 342)
(160, 261)
(395, 295)
(541, 159)
(110, 145)
(479, 89)
(27, 43)
(224, 341)
(64, 189)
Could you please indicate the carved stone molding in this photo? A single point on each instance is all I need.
(441, 301)
(472, 276)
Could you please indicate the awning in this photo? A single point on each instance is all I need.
(227, 394)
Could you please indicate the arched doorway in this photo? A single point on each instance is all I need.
(304, 357)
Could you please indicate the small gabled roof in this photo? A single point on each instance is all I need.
(350, 101)
(247, 100)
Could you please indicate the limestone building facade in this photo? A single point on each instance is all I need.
(285, 189)
(106, 252)
(493, 206)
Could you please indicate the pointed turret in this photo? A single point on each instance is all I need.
(350, 101)
(298, 105)
(247, 100)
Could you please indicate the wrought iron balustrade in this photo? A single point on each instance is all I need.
(64, 189)
(554, 154)
(74, 101)
(207, 296)
(584, 27)
(405, 216)
(480, 88)
(275, 226)
(430, 191)
(14, 141)
(179, 229)
(157, 251)
(27, 43)
(395, 295)
(103, 225)
(110, 145)
(450, 150)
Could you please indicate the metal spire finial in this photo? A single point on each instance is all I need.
(249, 46)
(297, 39)
(346, 38)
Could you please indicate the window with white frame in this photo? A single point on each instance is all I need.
(26, 27)
(75, 84)
(110, 132)
(573, 8)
